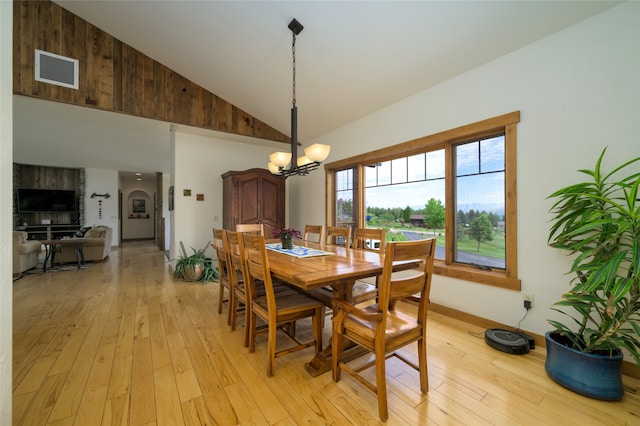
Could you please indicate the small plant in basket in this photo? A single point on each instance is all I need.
(195, 267)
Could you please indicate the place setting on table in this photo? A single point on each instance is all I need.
(297, 251)
(286, 245)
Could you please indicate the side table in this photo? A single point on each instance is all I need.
(50, 250)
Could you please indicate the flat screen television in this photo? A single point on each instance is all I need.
(46, 200)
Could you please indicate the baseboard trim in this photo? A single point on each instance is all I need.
(628, 368)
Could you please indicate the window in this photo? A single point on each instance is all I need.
(479, 203)
(397, 193)
(457, 186)
(344, 212)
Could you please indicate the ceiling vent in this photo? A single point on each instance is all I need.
(56, 69)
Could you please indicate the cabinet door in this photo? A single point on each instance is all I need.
(272, 205)
(247, 189)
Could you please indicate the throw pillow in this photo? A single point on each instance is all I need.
(80, 232)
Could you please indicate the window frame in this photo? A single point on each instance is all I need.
(506, 124)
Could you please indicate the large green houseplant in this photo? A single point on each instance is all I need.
(195, 267)
(598, 222)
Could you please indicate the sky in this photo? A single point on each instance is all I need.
(479, 186)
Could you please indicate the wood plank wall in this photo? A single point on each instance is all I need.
(116, 77)
(45, 177)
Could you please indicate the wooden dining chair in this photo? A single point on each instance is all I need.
(362, 290)
(372, 239)
(369, 239)
(233, 245)
(383, 328)
(314, 233)
(241, 295)
(253, 228)
(276, 309)
(219, 246)
(336, 234)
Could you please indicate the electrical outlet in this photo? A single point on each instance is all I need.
(527, 300)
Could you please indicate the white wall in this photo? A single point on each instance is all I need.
(102, 181)
(578, 91)
(6, 207)
(137, 228)
(199, 163)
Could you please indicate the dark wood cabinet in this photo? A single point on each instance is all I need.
(253, 196)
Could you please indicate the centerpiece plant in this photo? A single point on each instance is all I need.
(598, 222)
(286, 236)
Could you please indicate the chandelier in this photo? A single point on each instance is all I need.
(314, 154)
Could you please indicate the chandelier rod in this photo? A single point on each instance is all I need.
(295, 27)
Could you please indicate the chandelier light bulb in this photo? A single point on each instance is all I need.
(273, 168)
(280, 159)
(304, 160)
(317, 152)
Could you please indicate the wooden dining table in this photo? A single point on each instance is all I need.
(340, 268)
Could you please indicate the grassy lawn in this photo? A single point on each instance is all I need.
(494, 249)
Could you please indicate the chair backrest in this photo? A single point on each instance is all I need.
(366, 238)
(234, 249)
(256, 266)
(253, 228)
(402, 285)
(219, 246)
(314, 233)
(336, 233)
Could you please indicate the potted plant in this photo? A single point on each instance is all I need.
(598, 222)
(195, 267)
(286, 236)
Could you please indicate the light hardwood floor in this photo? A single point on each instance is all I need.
(122, 343)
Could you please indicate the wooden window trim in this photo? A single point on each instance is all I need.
(506, 124)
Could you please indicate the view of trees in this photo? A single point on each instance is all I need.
(473, 226)
(434, 215)
(477, 231)
(480, 229)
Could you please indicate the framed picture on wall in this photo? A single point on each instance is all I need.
(138, 205)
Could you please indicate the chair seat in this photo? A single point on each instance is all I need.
(398, 323)
(289, 305)
(361, 292)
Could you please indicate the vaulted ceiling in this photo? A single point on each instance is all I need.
(353, 57)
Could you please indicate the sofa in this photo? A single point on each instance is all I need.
(96, 247)
(26, 253)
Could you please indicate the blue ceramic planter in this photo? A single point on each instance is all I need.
(593, 375)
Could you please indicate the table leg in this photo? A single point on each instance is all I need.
(322, 362)
(47, 255)
(50, 255)
(53, 255)
(79, 254)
